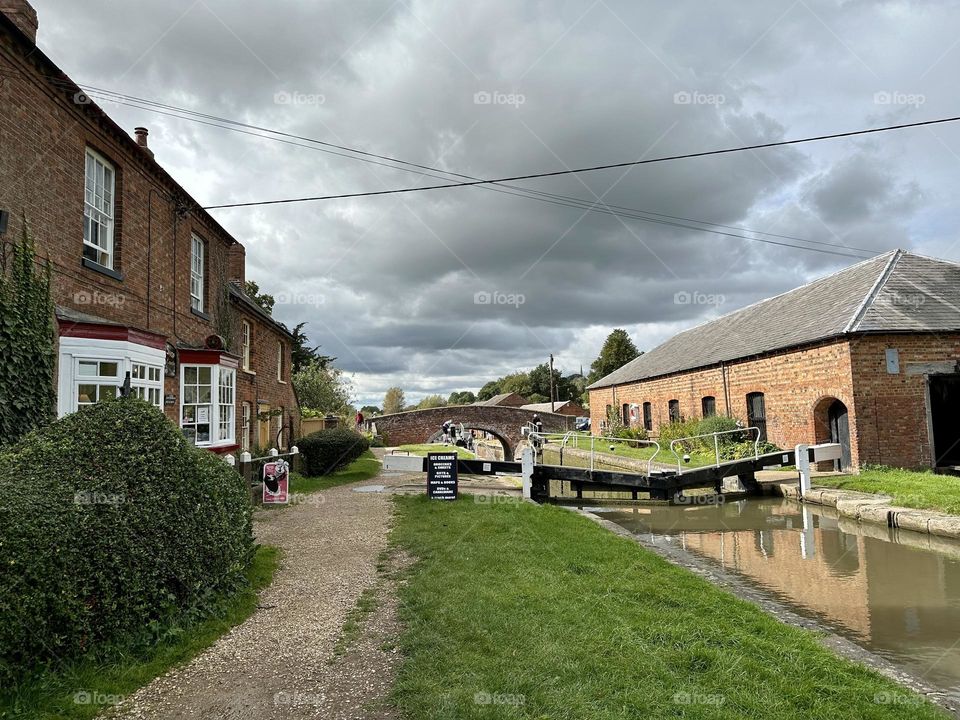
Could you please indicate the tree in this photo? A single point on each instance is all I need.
(431, 401)
(489, 390)
(518, 383)
(369, 410)
(323, 388)
(27, 338)
(461, 398)
(537, 398)
(265, 301)
(618, 349)
(393, 401)
(302, 355)
(563, 389)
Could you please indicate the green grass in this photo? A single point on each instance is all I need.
(546, 615)
(425, 448)
(53, 694)
(352, 626)
(363, 468)
(910, 488)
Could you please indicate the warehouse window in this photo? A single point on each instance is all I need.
(673, 409)
(757, 413)
(648, 416)
(709, 406)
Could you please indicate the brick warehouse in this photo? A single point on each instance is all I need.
(868, 357)
(145, 282)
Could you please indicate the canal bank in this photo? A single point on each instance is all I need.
(884, 597)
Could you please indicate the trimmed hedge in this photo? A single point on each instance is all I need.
(328, 450)
(113, 531)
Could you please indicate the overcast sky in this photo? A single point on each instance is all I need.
(395, 287)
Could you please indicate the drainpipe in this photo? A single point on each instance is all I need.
(726, 387)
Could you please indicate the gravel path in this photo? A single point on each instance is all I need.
(281, 662)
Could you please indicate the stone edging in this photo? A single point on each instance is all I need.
(879, 509)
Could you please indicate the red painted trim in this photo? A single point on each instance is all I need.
(208, 357)
(223, 449)
(96, 331)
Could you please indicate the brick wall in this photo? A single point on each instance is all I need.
(795, 385)
(892, 410)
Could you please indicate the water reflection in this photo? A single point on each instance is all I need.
(893, 591)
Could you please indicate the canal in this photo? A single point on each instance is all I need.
(894, 592)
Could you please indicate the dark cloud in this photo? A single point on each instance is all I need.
(424, 290)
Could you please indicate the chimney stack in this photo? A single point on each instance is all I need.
(23, 16)
(141, 134)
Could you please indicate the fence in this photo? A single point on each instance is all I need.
(251, 468)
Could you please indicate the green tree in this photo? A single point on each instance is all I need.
(323, 388)
(537, 398)
(393, 401)
(518, 382)
(265, 301)
(431, 401)
(618, 349)
(369, 410)
(540, 384)
(27, 338)
(489, 390)
(461, 398)
(302, 355)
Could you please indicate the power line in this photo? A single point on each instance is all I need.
(592, 168)
(552, 198)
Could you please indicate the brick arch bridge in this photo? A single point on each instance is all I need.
(419, 426)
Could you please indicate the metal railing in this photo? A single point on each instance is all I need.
(565, 439)
(716, 445)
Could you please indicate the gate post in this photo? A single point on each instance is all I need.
(526, 465)
(802, 457)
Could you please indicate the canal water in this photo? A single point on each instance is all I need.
(894, 592)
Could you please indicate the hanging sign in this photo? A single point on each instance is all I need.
(442, 476)
(276, 483)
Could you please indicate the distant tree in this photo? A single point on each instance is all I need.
(394, 401)
(537, 398)
(369, 410)
(489, 390)
(431, 401)
(461, 398)
(563, 389)
(265, 301)
(618, 349)
(518, 383)
(323, 388)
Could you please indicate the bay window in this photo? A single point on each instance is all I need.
(207, 402)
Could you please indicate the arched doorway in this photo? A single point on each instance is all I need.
(832, 423)
(506, 452)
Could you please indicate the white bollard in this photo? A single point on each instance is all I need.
(245, 457)
(803, 466)
(294, 450)
(526, 466)
(274, 452)
(230, 460)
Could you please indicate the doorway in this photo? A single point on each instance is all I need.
(945, 418)
(839, 423)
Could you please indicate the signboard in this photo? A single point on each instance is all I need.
(276, 483)
(442, 476)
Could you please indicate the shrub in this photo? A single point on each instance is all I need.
(715, 424)
(327, 450)
(738, 450)
(631, 433)
(113, 531)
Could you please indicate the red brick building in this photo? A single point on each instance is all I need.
(868, 357)
(145, 282)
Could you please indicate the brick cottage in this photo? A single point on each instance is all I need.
(147, 285)
(868, 357)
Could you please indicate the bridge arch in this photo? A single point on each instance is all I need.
(419, 426)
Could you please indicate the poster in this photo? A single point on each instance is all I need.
(276, 483)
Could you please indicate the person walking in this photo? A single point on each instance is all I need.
(359, 421)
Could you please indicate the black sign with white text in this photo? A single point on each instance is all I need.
(442, 476)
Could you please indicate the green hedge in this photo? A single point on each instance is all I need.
(113, 530)
(328, 450)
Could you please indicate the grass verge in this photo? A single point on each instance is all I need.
(363, 468)
(633, 451)
(909, 488)
(86, 688)
(517, 610)
(425, 448)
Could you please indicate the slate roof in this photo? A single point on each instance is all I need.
(545, 406)
(894, 292)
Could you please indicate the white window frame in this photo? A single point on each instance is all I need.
(246, 337)
(74, 350)
(280, 354)
(198, 251)
(99, 206)
(245, 418)
(221, 377)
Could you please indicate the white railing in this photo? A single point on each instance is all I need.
(274, 453)
(565, 439)
(716, 445)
